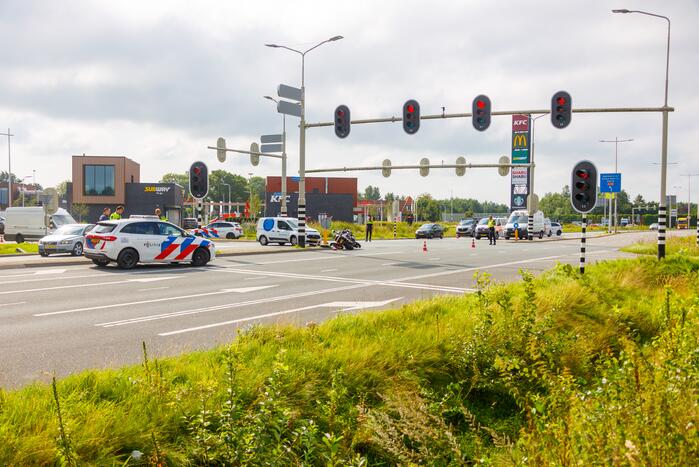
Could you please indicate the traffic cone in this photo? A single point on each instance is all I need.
(473, 243)
(424, 246)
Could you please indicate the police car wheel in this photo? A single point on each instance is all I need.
(200, 257)
(127, 259)
(77, 249)
(263, 240)
(43, 254)
(230, 236)
(101, 262)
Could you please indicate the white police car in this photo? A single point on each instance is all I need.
(145, 239)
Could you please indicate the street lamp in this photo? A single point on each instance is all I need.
(689, 202)
(530, 220)
(229, 197)
(250, 186)
(9, 168)
(283, 201)
(616, 142)
(662, 213)
(302, 137)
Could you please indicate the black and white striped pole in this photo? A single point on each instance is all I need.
(199, 187)
(582, 244)
(583, 197)
(200, 209)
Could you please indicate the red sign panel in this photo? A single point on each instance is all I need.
(520, 122)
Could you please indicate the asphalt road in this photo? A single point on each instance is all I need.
(65, 319)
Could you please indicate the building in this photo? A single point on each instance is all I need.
(335, 197)
(100, 182)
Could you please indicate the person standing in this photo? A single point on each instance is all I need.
(160, 216)
(491, 230)
(116, 215)
(369, 228)
(105, 214)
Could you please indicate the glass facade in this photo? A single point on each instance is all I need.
(98, 180)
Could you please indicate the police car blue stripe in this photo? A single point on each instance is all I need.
(187, 241)
(167, 242)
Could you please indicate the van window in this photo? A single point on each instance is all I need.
(283, 225)
(59, 220)
(103, 228)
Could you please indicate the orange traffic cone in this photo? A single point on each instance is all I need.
(424, 246)
(473, 243)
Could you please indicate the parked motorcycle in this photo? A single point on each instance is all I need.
(344, 240)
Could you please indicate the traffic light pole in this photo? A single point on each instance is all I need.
(582, 244)
(404, 167)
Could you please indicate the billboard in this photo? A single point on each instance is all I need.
(519, 178)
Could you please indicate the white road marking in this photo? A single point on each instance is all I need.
(297, 260)
(76, 286)
(253, 278)
(155, 300)
(15, 303)
(351, 305)
(153, 288)
(227, 306)
(434, 259)
(390, 264)
(329, 270)
(50, 271)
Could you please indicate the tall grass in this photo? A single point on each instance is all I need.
(561, 369)
(674, 245)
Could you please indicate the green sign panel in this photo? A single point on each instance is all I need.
(520, 156)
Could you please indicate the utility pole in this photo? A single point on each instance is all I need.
(9, 168)
(615, 201)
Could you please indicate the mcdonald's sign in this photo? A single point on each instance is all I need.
(519, 141)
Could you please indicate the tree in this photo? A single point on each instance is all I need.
(427, 208)
(639, 201)
(258, 186)
(557, 205)
(4, 177)
(79, 210)
(62, 189)
(372, 193)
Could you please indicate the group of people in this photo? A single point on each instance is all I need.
(108, 215)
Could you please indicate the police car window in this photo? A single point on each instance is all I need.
(283, 225)
(103, 228)
(141, 228)
(167, 229)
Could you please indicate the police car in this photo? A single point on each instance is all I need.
(220, 229)
(145, 239)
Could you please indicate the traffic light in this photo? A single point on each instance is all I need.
(411, 116)
(199, 180)
(561, 109)
(583, 191)
(342, 121)
(481, 112)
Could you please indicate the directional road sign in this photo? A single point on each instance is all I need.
(271, 148)
(610, 183)
(288, 92)
(289, 108)
(264, 139)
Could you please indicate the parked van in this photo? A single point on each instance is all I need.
(283, 230)
(521, 219)
(23, 224)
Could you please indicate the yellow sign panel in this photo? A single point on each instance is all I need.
(519, 141)
(610, 195)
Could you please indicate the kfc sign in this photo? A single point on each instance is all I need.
(520, 123)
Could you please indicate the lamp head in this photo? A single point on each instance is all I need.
(622, 10)
(271, 45)
(335, 38)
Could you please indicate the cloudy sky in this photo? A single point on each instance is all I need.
(158, 81)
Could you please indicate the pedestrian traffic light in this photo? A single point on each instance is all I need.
(583, 191)
(411, 116)
(480, 110)
(342, 121)
(199, 180)
(561, 109)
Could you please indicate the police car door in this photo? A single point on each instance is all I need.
(175, 245)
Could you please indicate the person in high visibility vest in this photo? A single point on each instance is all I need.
(491, 230)
(116, 215)
(160, 216)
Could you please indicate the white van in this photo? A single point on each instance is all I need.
(521, 218)
(23, 224)
(283, 230)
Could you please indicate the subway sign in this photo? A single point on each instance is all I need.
(160, 190)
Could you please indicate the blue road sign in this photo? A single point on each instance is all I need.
(610, 183)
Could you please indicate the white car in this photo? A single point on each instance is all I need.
(220, 229)
(141, 240)
(283, 230)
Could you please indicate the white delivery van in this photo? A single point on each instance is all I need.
(521, 219)
(283, 230)
(23, 224)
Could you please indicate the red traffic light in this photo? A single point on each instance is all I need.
(480, 104)
(561, 100)
(582, 173)
(411, 108)
(196, 170)
(340, 113)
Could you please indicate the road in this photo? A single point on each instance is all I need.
(65, 319)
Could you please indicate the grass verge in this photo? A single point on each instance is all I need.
(673, 245)
(562, 369)
(11, 248)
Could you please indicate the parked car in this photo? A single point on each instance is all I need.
(29, 223)
(220, 229)
(69, 238)
(482, 227)
(653, 226)
(2, 225)
(556, 228)
(145, 240)
(624, 221)
(430, 231)
(521, 219)
(283, 230)
(189, 223)
(466, 228)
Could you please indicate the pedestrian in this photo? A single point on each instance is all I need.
(116, 215)
(491, 230)
(105, 214)
(160, 216)
(369, 228)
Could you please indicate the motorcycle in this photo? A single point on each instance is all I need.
(344, 240)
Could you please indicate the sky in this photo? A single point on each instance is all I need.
(158, 81)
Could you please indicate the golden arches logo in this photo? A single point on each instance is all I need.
(519, 141)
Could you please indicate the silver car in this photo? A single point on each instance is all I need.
(69, 238)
